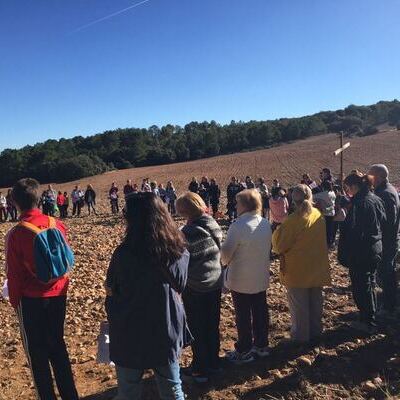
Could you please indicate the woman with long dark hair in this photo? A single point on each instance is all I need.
(147, 274)
(360, 246)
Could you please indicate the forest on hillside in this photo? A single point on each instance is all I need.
(69, 159)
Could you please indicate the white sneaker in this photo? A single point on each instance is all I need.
(260, 351)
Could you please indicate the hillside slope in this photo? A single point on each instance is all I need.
(287, 163)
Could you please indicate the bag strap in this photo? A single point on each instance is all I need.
(33, 228)
(52, 223)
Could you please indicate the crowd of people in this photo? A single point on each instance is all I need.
(164, 283)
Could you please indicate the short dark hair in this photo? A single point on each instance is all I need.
(25, 193)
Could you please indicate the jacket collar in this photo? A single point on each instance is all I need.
(361, 194)
(248, 214)
(34, 212)
(382, 186)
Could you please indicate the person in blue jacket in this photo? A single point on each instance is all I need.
(147, 321)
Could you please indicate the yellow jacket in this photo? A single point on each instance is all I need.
(301, 242)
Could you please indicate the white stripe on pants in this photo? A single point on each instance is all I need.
(25, 344)
(305, 307)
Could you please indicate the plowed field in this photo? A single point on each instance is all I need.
(344, 364)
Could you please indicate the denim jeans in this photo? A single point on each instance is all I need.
(167, 377)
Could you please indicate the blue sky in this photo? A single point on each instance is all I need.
(174, 61)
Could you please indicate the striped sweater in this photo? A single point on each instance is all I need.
(204, 238)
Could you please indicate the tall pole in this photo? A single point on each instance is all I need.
(341, 160)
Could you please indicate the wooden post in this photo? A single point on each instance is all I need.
(340, 151)
(341, 161)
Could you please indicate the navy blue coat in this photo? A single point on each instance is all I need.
(147, 320)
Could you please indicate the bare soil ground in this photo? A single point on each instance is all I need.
(344, 364)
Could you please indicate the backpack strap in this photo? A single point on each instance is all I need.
(52, 223)
(30, 227)
(35, 229)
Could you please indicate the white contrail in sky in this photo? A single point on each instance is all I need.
(109, 16)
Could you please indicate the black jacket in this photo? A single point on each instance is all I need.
(360, 242)
(231, 191)
(215, 194)
(90, 196)
(145, 312)
(194, 187)
(390, 231)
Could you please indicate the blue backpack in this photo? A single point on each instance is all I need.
(53, 256)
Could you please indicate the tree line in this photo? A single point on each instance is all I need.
(69, 159)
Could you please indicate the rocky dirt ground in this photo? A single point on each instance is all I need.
(344, 364)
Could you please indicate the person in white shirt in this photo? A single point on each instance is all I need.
(3, 208)
(246, 252)
(325, 202)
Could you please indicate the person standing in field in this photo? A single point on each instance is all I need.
(246, 252)
(61, 204)
(51, 200)
(309, 182)
(77, 197)
(40, 305)
(275, 183)
(162, 192)
(360, 247)
(326, 175)
(154, 188)
(90, 199)
(171, 197)
(279, 207)
(202, 296)
(113, 196)
(11, 209)
(194, 185)
(146, 188)
(231, 191)
(325, 202)
(300, 241)
(66, 204)
(204, 194)
(215, 194)
(390, 238)
(145, 281)
(3, 208)
(205, 182)
(128, 188)
(249, 183)
(263, 189)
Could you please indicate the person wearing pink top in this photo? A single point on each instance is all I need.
(279, 207)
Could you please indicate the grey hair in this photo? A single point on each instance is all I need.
(302, 198)
(381, 169)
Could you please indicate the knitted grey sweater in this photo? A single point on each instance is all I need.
(204, 238)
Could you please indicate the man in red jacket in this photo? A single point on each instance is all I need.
(40, 306)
